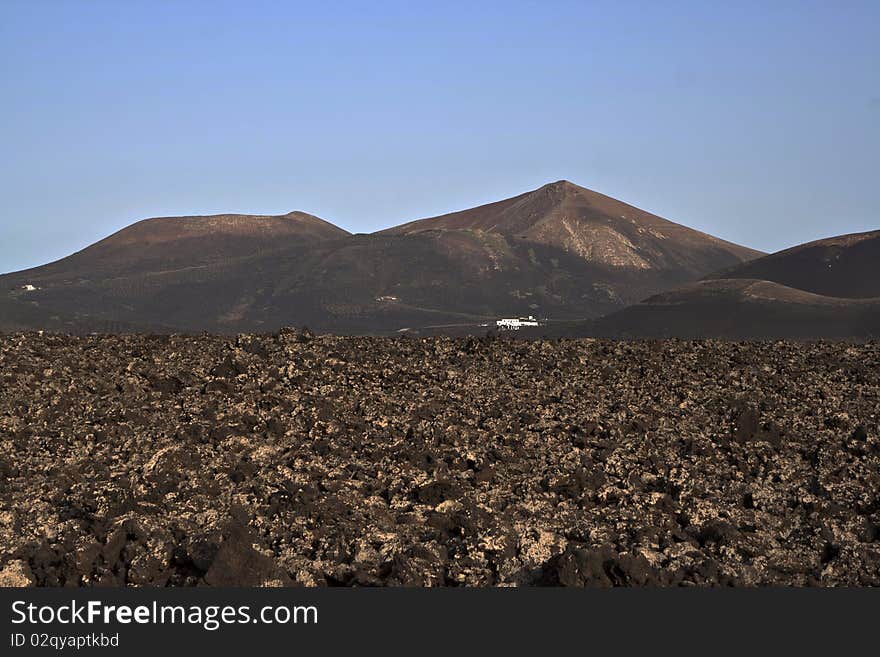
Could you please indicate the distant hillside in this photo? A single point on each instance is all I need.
(846, 266)
(739, 309)
(163, 243)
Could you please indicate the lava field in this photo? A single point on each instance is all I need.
(295, 459)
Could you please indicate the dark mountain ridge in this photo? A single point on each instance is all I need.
(826, 289)
(743, 309)
(845, 266)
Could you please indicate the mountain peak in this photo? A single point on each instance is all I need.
(562, 189)
(562, 185)
(597, 228)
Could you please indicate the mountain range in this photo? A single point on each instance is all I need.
(585, 263)
(561, 251)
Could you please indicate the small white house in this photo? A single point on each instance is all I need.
(29, 288)
(516, 323)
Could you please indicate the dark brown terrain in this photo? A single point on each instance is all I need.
(847, 266)
(828, 289)
(561, 251)
(295, 459)
(742, 309)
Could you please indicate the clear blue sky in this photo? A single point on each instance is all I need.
(758, 122)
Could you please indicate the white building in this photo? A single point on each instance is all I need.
(29, 288)
(516, 323)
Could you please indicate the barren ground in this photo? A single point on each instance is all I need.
(290, 458)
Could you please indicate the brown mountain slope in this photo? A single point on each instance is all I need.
(555, 252)
(163, 243)
(738, 309)
(846, 266)
(598, 228)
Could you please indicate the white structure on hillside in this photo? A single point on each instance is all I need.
(516, 323)
(29, 288)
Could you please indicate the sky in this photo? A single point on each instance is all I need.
(758, 122)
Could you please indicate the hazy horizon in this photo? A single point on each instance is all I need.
(752, 123)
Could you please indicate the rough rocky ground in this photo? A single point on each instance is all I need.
(294, 459)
